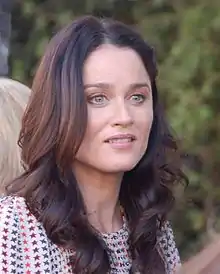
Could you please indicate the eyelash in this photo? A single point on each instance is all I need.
(92, 97)
(142, 96)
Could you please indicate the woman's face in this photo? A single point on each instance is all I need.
(120, 110)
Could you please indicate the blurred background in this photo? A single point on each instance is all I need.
(186, 37)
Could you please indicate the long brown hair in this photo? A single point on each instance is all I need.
(52, 130)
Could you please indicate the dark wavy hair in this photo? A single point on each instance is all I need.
(53, 128)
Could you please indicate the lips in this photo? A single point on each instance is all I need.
(121, 138)
(121, 141)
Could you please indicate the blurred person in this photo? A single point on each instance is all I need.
(97, 187)
(13, 100)
(207, 261)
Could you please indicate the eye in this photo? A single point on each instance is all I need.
(98, 99)
(138, 98)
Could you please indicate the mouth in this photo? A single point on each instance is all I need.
(121, 139)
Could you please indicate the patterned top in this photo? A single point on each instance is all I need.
(26, 249)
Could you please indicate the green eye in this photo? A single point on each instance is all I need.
(97, 100)
(138, 98)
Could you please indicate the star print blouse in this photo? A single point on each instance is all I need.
(26, 249)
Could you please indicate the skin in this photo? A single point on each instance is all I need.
(119, 100)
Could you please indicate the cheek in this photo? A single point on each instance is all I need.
(91, 138)
(145, 124)
(145, 121)
(98, 119)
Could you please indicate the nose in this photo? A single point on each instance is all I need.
(122, 115)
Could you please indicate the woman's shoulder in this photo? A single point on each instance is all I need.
(11, 205)
(25, 247)
(9, 200)
(15, 215)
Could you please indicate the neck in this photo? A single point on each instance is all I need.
(100, 192)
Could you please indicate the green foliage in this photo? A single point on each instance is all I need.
(186, 37)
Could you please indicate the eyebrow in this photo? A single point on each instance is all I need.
(140, 85)
(108, 86)
(98, 85)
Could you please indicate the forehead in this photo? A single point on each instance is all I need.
(112, 64)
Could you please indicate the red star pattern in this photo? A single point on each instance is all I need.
(26, 249)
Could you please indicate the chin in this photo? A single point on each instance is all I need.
(120, 167)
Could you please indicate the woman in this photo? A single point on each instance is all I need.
(13, 99)
(97, 187)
